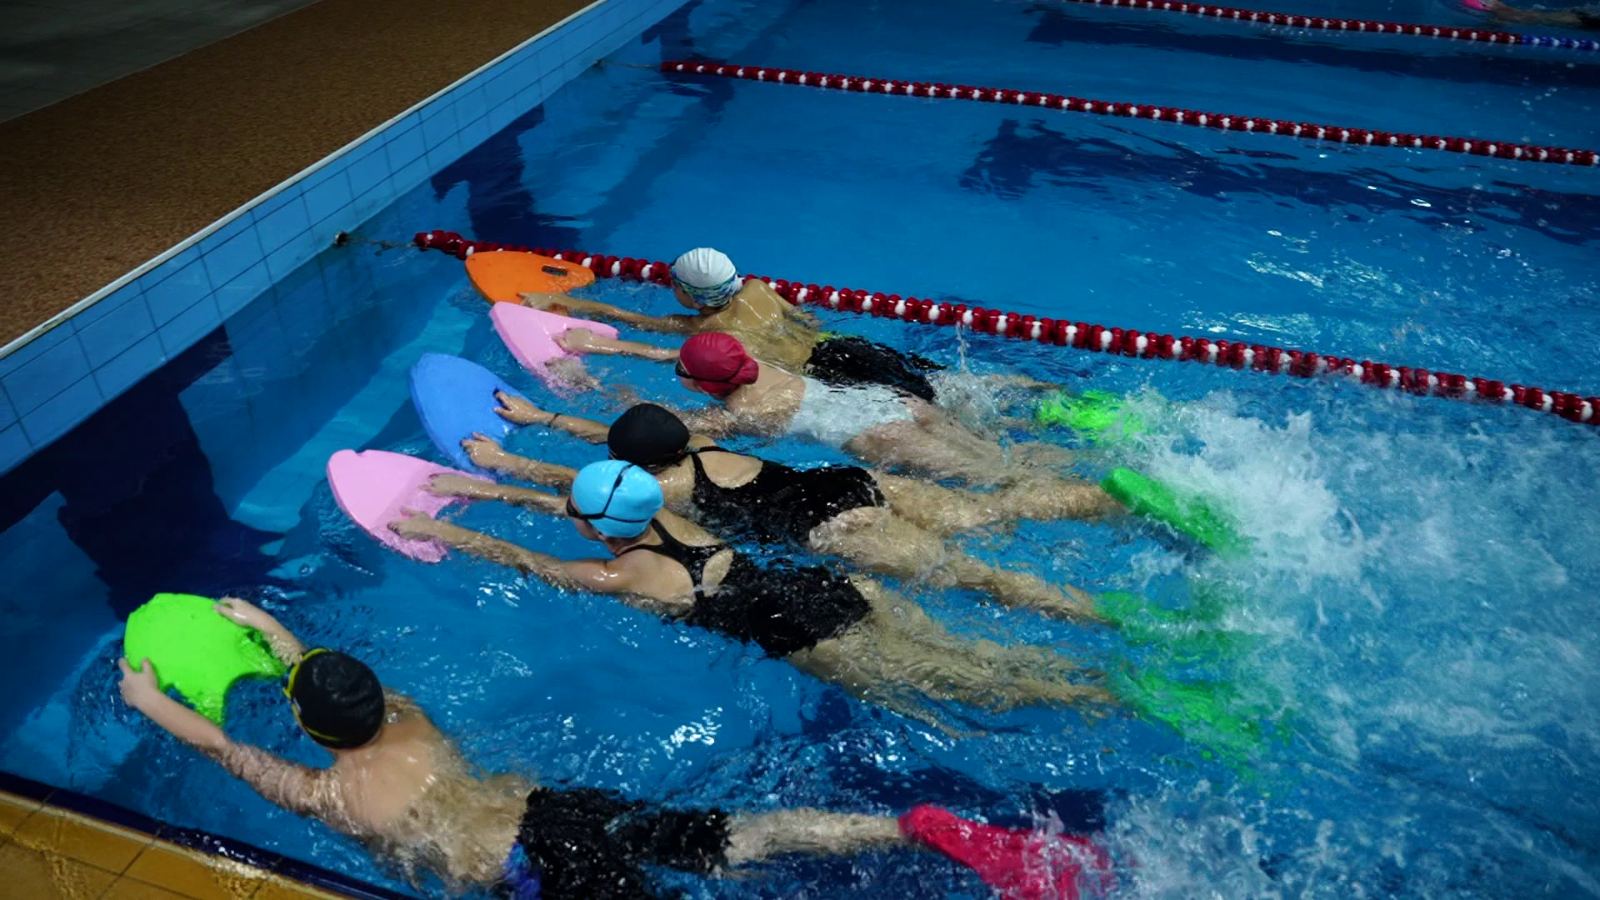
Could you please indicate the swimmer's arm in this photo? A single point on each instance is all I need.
(538, 501)
(520, 411)
(451, 485)
(294, 787)
(583, 574)
(581, 340)
(663, 324)
(285, 646)
(486, 453)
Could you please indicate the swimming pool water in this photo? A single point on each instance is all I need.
(1417, 607)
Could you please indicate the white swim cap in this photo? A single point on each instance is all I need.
(707, 276)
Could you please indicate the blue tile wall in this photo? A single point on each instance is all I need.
(41, 379)
(14, 447)
(184, 286)
(69, 407)
(114, 324)
(139, 360)
(61, 376)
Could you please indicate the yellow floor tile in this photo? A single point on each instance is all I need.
(195, 875)
(99, 844)
(13, 810)
(38, 875)
(127, 888)
(277, 888)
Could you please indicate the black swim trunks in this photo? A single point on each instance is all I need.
(588, 844)
(846, 360)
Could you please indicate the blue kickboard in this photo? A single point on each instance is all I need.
(454, 398)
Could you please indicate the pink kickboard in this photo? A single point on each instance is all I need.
(373, 488)
(531, 334)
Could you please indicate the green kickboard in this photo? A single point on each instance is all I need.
(195, 651)
(1191, 516)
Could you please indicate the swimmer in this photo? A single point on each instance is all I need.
(851, 631)
(705, 281)
(881, 523)
(1584, 18)
(403, 788)
(869, 421)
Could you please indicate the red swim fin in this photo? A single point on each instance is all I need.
(1021, 865)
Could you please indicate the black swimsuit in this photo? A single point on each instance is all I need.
(845, 360)
(780, 504)
(781, 608)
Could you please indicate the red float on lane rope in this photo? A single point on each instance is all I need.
(1080, 335)
(1356, 26)
(1338, 134)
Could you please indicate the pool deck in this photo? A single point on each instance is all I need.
(103, 181)
(48, 853)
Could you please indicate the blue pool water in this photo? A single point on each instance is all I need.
(1417, 610)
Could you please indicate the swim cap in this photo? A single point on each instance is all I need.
(717, 363)
(618, 498)
(707, 276)
(648, 435)
(337, 699)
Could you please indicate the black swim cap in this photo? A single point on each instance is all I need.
(337, 699)
(648, 435)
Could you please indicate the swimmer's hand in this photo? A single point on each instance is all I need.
(485, 453)
(417, 526)
(244, 613)
(450, 485)
(139, 688)
(576, 340)
(518, 410)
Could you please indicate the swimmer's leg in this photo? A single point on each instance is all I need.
(757, 836)
(881, 542)
(1015, 863)
(899, 648)
(948, 511)
(942, 450)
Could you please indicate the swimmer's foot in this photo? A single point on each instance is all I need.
(1019, 864)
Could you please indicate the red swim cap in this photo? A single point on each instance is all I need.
(717, 363)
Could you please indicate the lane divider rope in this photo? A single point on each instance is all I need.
(1080, 335)
(1358, 26)
(1337, 134)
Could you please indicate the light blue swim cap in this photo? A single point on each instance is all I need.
(618, 498)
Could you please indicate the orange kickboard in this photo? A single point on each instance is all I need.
(503, 275)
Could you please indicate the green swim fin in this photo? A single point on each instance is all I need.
(1191, 516)
(1095, 415)
(1189, 634)
(1201, 712)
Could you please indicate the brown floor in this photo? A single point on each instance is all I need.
(50, 854)
(100, 183)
